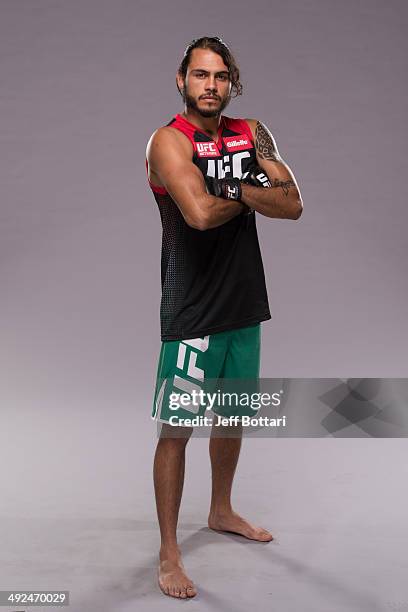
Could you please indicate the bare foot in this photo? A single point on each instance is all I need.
(173, 580)
(234, 523)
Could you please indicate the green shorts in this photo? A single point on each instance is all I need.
(206, 364)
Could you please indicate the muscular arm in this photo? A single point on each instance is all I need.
(169, 156)
(283, 199)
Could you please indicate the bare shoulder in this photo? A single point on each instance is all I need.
(168, 139)
(257, 126)
(265, 143)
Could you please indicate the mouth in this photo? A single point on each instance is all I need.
(209, 98)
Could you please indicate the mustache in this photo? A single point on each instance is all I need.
(214, 97)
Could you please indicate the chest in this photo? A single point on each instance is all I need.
(231, 156)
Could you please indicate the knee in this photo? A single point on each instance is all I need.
(175, 436)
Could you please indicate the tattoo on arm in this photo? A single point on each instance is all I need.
(284, 184)
(265, 144)
(266, 149)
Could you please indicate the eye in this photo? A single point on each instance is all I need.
(200, 75)
(222, 77)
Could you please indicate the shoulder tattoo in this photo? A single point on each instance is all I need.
(265, 143)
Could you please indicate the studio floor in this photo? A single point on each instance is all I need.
(78, 514)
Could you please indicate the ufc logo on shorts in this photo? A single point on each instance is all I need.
(188, 352)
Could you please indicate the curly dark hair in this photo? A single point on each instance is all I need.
(217, 45)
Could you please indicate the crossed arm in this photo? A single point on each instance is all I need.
(169, 156)
(283, 199)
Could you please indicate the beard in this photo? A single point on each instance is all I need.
(192, 104)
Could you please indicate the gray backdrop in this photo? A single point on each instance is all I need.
(83, 85)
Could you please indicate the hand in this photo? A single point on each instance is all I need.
(256, 177)
(227, 188)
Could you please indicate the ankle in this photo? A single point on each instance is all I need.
(221, 509)
(169, 552)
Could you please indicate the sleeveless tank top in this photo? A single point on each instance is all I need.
(212, 280)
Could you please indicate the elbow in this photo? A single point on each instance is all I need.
(202, 216)
(201, 227)
(199, 222)
(297, 210)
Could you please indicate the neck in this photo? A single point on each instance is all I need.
(207, 124)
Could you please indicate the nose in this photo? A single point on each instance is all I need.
(211, 84)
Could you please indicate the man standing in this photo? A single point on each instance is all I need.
(209, 174)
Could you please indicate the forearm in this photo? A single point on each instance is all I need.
(219, 210)
(281, 201)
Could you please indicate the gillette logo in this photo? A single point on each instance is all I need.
(238, 143)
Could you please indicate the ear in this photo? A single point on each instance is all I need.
(180, 82)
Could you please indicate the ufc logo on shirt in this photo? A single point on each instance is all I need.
(218, 168)
(207, 149)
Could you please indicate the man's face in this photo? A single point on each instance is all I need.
(207, 86)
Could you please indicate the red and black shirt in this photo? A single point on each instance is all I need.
(211, 280)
